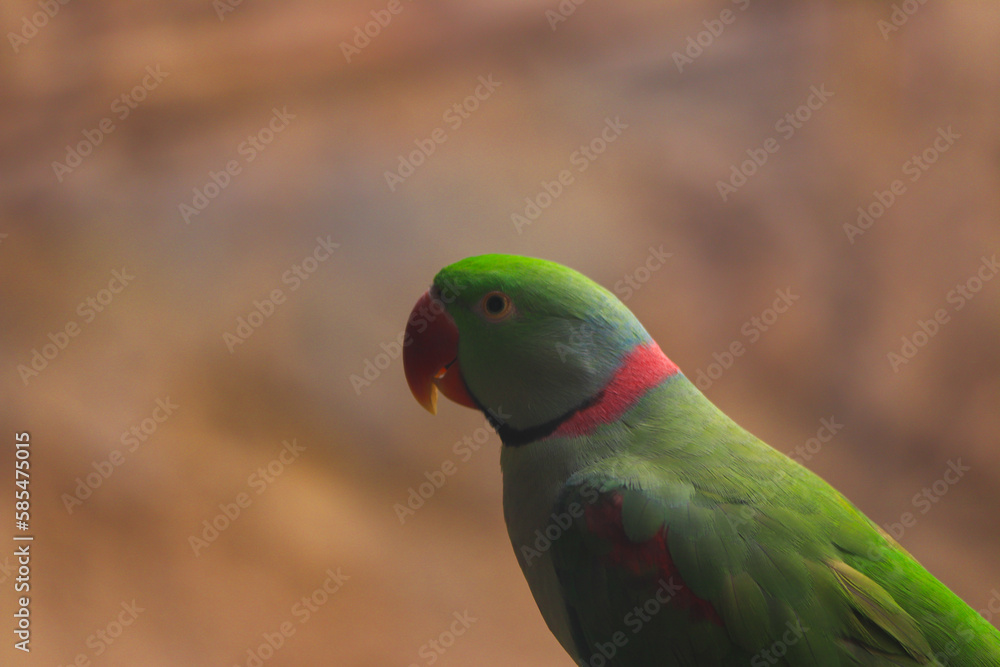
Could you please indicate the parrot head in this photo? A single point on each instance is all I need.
(525, 340)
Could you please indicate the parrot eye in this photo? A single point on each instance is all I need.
(496, 305)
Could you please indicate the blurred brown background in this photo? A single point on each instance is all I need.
(201, 94)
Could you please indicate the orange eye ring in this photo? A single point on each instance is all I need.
(496, 305)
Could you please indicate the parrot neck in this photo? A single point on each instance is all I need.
(641, 369)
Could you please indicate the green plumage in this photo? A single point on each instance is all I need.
(797, 574)
(671, 536)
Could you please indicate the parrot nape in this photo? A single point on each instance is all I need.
(651, 528)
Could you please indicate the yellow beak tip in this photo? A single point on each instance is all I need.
(432, 401)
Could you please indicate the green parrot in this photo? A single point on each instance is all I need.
(651, 528)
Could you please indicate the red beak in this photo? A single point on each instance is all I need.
(430, 355)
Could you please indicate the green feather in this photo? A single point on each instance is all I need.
(777, 567)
